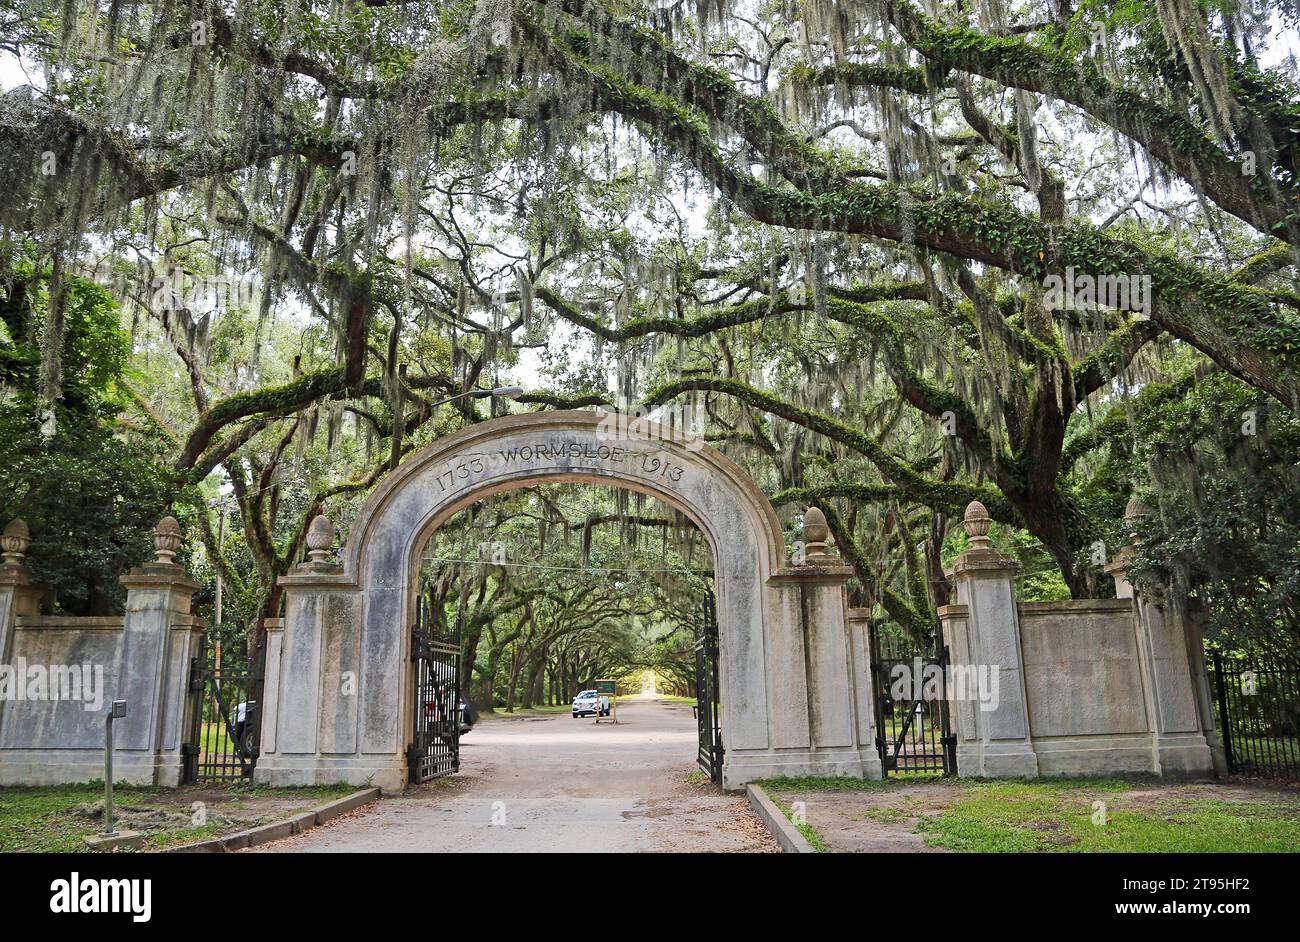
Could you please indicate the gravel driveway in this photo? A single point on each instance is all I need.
(553, 783)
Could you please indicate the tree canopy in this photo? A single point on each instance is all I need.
(891, 257)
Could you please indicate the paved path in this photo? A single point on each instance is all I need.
(553, 783)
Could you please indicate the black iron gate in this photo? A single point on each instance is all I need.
(225, 715)
(707, 711)
(435, 671)
(911, 686)
(1257, 697)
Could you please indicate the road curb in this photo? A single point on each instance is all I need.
(279, 830)
(778, 825)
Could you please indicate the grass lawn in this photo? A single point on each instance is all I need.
(501, 714)
(1053, 815)
(56, 818)
(215, 739)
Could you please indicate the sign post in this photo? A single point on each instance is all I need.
(116, 712)
(111, 837)
(607, 688)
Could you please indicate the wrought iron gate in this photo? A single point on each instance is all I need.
(911, 686)
(707, 711)
(1257, 696)
(435, 671)
(225, 714)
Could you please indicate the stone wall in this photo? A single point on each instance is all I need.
(1087, 686)
(61, 675)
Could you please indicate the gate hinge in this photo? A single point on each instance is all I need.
(189, 749)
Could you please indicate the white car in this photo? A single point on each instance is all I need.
(590, 703)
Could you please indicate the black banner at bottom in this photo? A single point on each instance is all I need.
(238, 893)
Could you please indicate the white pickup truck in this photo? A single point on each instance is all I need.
(590, 703)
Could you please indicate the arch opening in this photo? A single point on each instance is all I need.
(541, 591)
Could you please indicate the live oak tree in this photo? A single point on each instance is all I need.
(829, 230)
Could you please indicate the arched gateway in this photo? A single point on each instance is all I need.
(794, 677)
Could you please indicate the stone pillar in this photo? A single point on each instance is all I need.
(314, 680)
(858, 621)
(1169, 647)
(983, 634)
(1205, 702)
(274, 628)
(815, 693)
(161, 635)
(19, 593)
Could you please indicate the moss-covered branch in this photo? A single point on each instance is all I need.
(1236, 326)
(948, 496)
(1261, 199)
(859, 491)
(918, 625)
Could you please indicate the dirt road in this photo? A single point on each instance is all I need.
(553, 783)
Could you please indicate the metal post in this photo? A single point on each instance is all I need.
(108, 774)
(1221, 694)
(116, 711)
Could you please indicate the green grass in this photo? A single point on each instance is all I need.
(1057, 815)
(215, 739)
(501, 713)
(56, 819)
(803, 827)
(842, 783)
(886, 814)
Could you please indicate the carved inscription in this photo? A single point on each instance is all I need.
(567, 454)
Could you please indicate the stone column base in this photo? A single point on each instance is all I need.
(1094, 755)
(75, 766)
(996, 760)
(384, 772)
(1184, 755)
(741, 768)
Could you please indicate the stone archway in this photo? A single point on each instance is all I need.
(795, 680)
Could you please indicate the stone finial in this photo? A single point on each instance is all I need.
(14, 541)
(1136, 509)
(815, 533)
(320, 537)
(167, 539)
(977, 521)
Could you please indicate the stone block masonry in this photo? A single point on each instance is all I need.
(142, 657)
(1087, 687)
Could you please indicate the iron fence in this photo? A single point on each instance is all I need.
(1258, 715)
(707, 709)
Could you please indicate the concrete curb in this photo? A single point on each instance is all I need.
(280, 829)
(778, 825)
